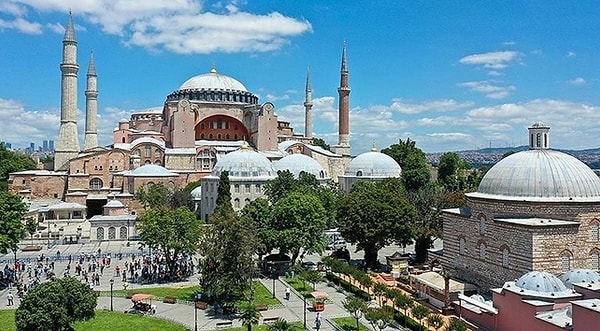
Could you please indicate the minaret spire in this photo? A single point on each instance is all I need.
(308, 107)
(343, 146)
(91, 106)
(67, 144)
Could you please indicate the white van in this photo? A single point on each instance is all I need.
(338, 244)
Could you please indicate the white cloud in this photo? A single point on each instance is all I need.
(20, 127)
(488, 88)
(405, 107)
(493, 61)
(577, 81)
(571, 54)
(179, 26)
(509, 43)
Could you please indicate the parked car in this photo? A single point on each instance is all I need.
(338, 244)
(310, 265)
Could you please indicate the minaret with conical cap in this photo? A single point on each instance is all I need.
(308, 107)
(91, 107)
(67, 144)
(343, 146)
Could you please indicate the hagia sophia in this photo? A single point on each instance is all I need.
(210, 123)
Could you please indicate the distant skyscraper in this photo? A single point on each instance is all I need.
(32, 147)
(45, 146)
(51, 145)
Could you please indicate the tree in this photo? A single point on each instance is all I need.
(456, 325)
(374, 215)
(404, 302)
(428, 202)
(299, 221)
(356, 307)
(12, 162)
(435, 321)
(311, 276)
(280, 325)
(249, 315)
(223, 191)
(31, 225)
(175, 231)
(412, 160)
(379, 318)
(447, 168)
(257, 216)
(12, 210)
(227, 248)
(420, 312)
(153, 196)
(320, 142)
(281, 186)
(55, 305)
(379, 290)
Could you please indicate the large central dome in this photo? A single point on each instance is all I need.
(540, 174)
(213, 81)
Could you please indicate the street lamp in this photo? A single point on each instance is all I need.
(112, 281)
(304, 312)
(273, 276)
(195, 317)
(357, 315)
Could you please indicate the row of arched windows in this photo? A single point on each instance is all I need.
(112, 233)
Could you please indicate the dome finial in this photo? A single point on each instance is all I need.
(373, 147)
(213, 69)
(245, 146)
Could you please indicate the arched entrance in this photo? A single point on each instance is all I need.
(221, 127)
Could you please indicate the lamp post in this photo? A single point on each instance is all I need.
(195, 317)
(112, 281)
(357, 315)
(273, 276)
(304, 312)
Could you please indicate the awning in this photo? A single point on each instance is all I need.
(141, 297)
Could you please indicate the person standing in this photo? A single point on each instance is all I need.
(287, 293)
(10, 299)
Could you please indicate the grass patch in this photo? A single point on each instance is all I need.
(304, 288)
(180, 292)
(349, 324)
(105, 320)
(262, 295)
(293, 326)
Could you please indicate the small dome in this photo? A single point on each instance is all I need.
(373, 164)
(478, 297)
(114, 204)
(298, 163)
(244, 162)
(541, 281)
(213, 81)
(579, 276)
(197, 192)
(542, 174)
(151, 170)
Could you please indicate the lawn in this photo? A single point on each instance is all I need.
(261, 294)
(304, 288)
(105, 320)
(349, 324)
(293, 327)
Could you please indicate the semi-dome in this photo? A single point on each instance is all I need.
(579, 276)
(373, 164)
(213, 81)
(244, 162)
(540, 281)
(540, 174)
(197, 192)
(298, 163)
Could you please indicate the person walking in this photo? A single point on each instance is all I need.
(318, 321)
(287, 293)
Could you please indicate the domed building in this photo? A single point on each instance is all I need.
(536, 210)
(248, 172)
(371, 166)
(299, 163)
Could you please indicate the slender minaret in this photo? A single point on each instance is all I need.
(343, 146)
(91, 107)
(308, 107)
(67, 144)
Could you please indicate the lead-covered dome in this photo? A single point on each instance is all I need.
(244, 162)
(213, 81)
(298, 163)
(576, 276)
(541, 281)
(373, 164)
(540, 174)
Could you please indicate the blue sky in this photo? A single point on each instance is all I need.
(451, 75)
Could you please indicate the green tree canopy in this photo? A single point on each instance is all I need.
(12, 230)
(356, 307)
(257, 215)
(55, 305)
(374, 215)
(224, 192)
(412, 160)
(299, 221)
(320, 142)
(12, 162)
(175, 231)
(153, 196)
(281, 186)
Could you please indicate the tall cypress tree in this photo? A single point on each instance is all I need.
(224, 193)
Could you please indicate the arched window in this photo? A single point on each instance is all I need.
(462, 246)
(565, 261)
(123, 233)
(123, 140)
(482, 251)
(481, 224)
(594, 229)
(112, 233)
(236, 203)
(594, 259)
(100, 234)
(359, 173)
(505, 257)
(157, 153)
(95, 184)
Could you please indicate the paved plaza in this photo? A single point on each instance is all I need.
(181, 313)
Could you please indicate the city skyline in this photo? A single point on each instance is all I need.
(450, 77)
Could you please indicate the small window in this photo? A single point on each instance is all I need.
(482, 251)
(594, 263)
(257, 188)
(565, 261)
(462, 246)
(359, 173)
(505, 257)
(481, 225)
(247, 188)
(594, 229)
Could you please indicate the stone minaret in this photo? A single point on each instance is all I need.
(343, 146)
(308, 108)
(91, 107)
(67, 144)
